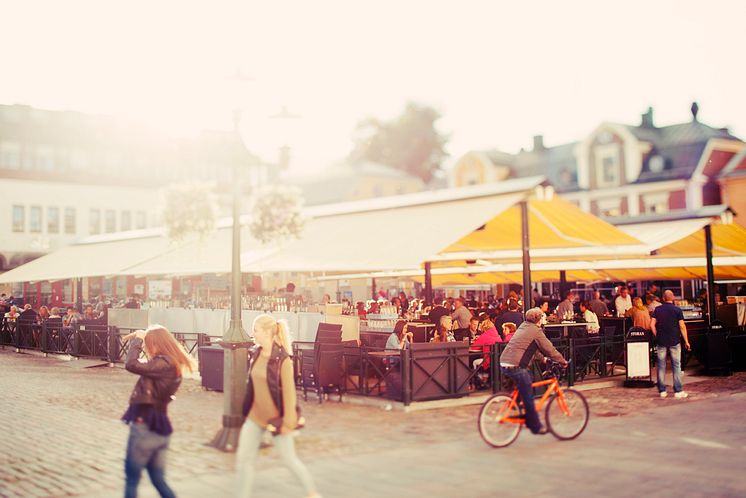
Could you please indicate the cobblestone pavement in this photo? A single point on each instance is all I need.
(61, 436)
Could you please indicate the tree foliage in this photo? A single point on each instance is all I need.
(410, 142)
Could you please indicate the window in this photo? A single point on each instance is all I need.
(19, 218)
(126, 221)
(53, 220)
(610, 207)
(111, 221)
(35, 219)
(140, 220)
(656, 203)
(79, 159)
(607, 165)
(94, 221)
(69, 220)
(10, 155)
(45, 158)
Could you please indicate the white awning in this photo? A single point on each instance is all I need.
(90, 259)
(660, 234)
(379, 236)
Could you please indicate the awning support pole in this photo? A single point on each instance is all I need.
(526, 257)
(373, 287)
(79, 294)
(428, 283)
(711, 311)
(563, 284)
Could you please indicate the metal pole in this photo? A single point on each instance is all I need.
(526, 257)
(373, 288)
(711, 311)
(563, 284)
(79, 294)
(428, 283)
(235, 340)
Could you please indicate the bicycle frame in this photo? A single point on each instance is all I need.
(554, 387)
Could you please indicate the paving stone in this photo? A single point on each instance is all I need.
(62, 435)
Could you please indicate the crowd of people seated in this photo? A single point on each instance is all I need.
(93, 313)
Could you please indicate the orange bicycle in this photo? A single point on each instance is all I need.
(502, 416)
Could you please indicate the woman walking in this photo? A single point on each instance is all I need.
(270, 404)
(147, 416)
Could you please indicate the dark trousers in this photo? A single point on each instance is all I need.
(523, 379)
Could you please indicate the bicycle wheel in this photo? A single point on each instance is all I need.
(568, 416)
(494, 427)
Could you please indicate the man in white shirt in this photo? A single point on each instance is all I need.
(623, 301)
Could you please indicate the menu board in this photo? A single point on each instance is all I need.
(638, 359)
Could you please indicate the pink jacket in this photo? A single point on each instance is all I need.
(487, 339)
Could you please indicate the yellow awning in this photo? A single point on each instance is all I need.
(558, 229)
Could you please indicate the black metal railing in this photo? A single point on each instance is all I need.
(81, 340)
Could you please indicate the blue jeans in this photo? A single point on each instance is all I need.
(675, 366)
(146, 449)
(523, 379)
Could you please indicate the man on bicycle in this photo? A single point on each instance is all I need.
(525, 345)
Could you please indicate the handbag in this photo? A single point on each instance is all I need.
(274, 424)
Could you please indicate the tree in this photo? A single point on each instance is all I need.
(410, 142)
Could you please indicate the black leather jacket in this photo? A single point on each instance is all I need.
(273, 377)
(158, 381)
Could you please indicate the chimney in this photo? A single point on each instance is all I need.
(695, 110)
(538, 143)
(647, 119)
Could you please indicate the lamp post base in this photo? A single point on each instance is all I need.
(227, 437)
(235, 369)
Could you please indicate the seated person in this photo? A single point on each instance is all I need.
(71, 318)
(528, 341)
(639, 313)
(28, 315)
(508, 331)
(360, 306)
(444, 331)
(488, 337)
(12, 314)
(651, 302)
(399, 338)
(589, 317)
(512, 315)
(437, 311)
(474, 328)
(90, 315)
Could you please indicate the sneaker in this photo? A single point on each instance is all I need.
(664, 394)
(541, 431)
(681, 395)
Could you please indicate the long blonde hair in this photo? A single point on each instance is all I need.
(159, 341)
(279, 329)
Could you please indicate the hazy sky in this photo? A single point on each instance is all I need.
(499, 72)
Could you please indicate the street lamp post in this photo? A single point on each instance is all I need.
(235, 340)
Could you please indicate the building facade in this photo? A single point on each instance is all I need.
(67, 175)
(622, 170)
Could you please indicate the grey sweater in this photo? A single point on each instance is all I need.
(528, 340)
